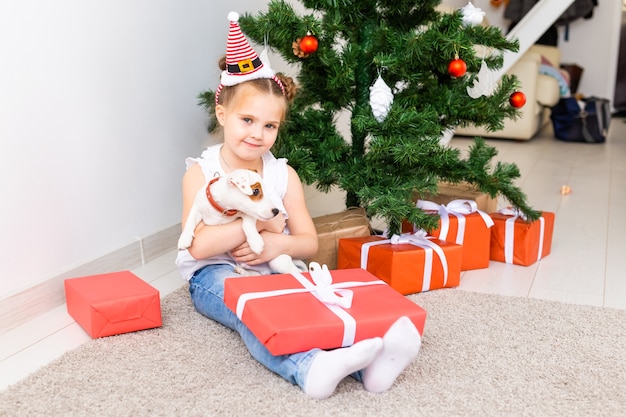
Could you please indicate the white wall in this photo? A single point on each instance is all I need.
(593, 44)
(98, 109)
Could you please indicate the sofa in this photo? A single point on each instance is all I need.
(542, 89)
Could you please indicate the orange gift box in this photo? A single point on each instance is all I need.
(287, 318)
(516, 241)
(109, 304)
(461, 222)
(403, 266)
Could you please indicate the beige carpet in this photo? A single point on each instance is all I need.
(482, 355)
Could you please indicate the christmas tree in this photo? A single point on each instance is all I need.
(348, 53)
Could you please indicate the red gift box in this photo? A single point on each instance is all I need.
(461, 222)
(284, 313)
(516, 241)
(114, 303)
(406, 267)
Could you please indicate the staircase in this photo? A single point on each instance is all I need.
(532, 26)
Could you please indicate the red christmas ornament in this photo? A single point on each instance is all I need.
(308, 44)
(517, 99)
(457, 67)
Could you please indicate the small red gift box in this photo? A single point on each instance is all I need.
(461, 222)
(407, 263)
(516, 241)
(114, 303)
(286, 314)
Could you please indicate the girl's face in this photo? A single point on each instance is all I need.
(250, 122)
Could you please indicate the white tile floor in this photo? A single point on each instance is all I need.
(586, 265)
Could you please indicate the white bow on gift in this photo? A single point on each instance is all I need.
(509, 232)
(324, 289)
(459, 208)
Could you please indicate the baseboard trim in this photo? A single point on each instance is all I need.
(24, 306)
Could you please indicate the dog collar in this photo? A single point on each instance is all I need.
(216, 206)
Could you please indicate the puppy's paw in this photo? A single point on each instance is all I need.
(184, 241)
(283, 264)
(256, 244)
(240, 270)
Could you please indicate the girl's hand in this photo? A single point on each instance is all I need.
(274, 242)
(275, 225)
(243, 253)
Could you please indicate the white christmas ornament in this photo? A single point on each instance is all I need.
(472, 15)
(485, 83)
(381, 99)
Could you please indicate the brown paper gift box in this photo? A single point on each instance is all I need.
(463, 191)
(332, 227)
(109, 304)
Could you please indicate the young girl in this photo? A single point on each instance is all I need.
(251, 103)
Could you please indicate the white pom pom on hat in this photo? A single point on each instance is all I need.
(242, 62)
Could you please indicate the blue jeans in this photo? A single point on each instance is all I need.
(207, 293)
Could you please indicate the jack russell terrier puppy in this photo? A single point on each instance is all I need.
(226, 198)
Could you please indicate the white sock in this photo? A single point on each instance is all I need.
(401, 344)
(328, 368)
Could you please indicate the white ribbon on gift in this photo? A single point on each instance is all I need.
(459, 208)
(420, 239)
(509, 232)
(336, 297)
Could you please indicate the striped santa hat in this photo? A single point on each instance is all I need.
(242, 62)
